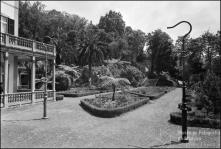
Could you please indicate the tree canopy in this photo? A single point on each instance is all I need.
(81, 42)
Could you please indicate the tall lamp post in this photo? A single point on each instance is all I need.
(46, 84)
(183, 105)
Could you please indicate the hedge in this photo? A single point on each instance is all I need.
(176, 118)
(102, 112)
(59, 97)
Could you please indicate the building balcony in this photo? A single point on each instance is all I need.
(19, 45)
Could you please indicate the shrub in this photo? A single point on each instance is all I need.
(119, 69)
(73, 72)
(208, 92)
(59, 97)
(151, 75)
(69, 70)
(116, 69)
(133, 74)
(216, 65)
(162, 81)
(102, 71)
(84, 77)
(63, 81)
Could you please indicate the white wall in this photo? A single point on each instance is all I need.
(10, 9)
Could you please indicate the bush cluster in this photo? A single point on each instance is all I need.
(63, 81)
(208, 93)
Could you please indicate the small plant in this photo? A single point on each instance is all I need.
(114, 82)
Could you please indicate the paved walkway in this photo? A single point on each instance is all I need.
(70, 126)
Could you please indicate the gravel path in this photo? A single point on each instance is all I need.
(70, 126)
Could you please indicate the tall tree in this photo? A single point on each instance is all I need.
(91, 49)
(27, 15)
(209, 48)
(136, 42)
(160, 52)
(112, 22)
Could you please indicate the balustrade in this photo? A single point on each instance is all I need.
(19, 97)
(27, 44)
(24, 97)
(41, 46)
(3, 38)
(39, 95)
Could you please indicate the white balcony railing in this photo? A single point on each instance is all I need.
(20, 98)
(26, 44)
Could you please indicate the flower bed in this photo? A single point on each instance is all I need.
(103, 106)
(82, 91)
(152, 92)
(195, 121)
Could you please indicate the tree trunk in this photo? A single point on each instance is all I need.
(151, 68)
(210, 61)
(113, 86)
(58, 59)
(90, 69)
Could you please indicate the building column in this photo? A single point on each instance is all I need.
(53, 81)
(33, 79)
(6, 80)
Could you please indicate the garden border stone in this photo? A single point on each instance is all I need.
(102, 112)
(93, 92)
(192, 121)
(79, 94)
(151, 96)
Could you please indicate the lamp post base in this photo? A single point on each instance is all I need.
(184, 140)
(45, 117)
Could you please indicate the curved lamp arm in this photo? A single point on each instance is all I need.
(180, 23)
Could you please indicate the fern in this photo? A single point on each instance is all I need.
(114, 82)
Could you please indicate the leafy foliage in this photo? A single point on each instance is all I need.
(160, 52)
(208, 92)
(133, 74)
(113, 23)
(69, 70)
(63, 81)
(114, 82)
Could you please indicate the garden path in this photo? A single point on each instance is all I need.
(70, 126)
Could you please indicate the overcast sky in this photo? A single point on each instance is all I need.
(150, 15)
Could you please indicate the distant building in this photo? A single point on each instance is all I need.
(15, 49)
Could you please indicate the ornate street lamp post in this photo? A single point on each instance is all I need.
(46, 84)
(183, 106)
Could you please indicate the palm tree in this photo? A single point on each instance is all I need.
(114, 82)
(91, 49)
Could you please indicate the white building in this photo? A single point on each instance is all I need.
(16, 49)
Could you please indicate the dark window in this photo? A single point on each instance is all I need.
(24, 79)
(11, 26)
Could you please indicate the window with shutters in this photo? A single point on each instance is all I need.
(7, 25)
(11, 26)
(4, 25)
